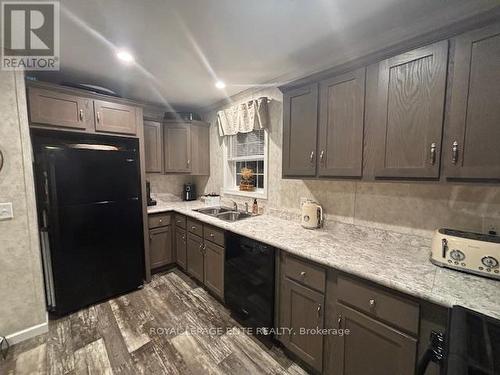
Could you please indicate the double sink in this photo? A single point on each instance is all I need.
(223, 213)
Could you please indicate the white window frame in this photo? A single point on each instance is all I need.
(229, 187)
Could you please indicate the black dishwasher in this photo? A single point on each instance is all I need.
(249, 283)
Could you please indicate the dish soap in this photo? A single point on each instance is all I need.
(255, 207)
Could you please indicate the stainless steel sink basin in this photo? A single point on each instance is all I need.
(233, 216)
(213, 211)
(224, 213)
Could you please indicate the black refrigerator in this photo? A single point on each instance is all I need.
(90, 217)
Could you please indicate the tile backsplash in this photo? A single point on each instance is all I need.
(416, 208)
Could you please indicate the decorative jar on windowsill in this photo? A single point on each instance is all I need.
(247, 180)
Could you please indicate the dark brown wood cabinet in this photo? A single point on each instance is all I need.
(214, 268)
(195, 257)
(160, 246)
(371, 347)
(200, 149)
(300, 127)
(177, 146)
(114, 117)
(180, 247)
(472, 143)
(341, 123)
(301, 309)
(54, 108)
(410, 111)
(153, 146)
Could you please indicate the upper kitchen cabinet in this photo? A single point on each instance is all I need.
(53, 108)
(409, 113)
(177, 144)
(342, 102)
(300, 127)
(200, 148)
(114, 117)
(153, 146)
(471, 147)
(186, 147)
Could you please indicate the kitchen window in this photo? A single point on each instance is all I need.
(246, 150)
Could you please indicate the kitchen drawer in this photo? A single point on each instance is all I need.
(385, 306)
(305, 273)
(180, 221)
(214, 235)
(158, 220)
(195, 227)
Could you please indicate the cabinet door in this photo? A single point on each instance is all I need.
(214, 268)
(200, 147)
(300, 127)
(60, 109)
(153, 146)
(180, 247)
(342, 105)
(114, 118)
(471, 146)
(302, 308)
(195, 256)
(160, 246)
(371, 348)
(177, 141)
(410, 105)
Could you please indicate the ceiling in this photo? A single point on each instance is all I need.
(182, 47)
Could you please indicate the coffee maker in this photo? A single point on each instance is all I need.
(189, 192)
(151, 201)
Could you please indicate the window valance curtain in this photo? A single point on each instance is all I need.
(244, 117)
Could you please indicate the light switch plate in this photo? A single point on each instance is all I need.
(6, 211)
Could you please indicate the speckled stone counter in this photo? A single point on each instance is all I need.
(391, 259)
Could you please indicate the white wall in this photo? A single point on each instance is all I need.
(22, 301)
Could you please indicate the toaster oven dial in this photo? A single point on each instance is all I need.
(457, 255)
(490, 262)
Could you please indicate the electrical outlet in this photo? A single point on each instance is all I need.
(6, 211)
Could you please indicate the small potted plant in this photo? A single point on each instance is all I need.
(247, 180)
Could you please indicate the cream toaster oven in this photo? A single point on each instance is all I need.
(465, 251)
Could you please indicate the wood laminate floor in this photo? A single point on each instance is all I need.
(171, 326)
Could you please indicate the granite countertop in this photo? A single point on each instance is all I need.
(395, 260)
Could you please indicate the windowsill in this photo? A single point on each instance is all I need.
(249, 194)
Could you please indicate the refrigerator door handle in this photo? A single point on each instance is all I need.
(47, 266)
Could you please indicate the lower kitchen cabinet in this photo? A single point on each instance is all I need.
(195, 256)
(160, 246)
(371, 347)
(180, 247)
(302, 309)
(214, 268)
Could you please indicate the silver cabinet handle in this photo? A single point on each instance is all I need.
(81, 114)
(193, 227)
(212, 235)
(433, 153)
(454, 152)
(372, 303)
(319, 310)
(188, 162)
(98, 116)
(183, 238)
(339, 322)
(311, 157)
(322, 153)
(303, 273)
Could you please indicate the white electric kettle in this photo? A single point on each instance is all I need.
(312, 215)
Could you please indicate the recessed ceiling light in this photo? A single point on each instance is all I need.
(220, 85)
(125, 56)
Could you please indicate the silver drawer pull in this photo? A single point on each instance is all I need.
(193, 227)
(98, 116)
(339, 322)
(160, 221)
(212, 235)
(321, 156)
(311, 157)
(319, 310)
(81, 114)
(303, 273)
(372, 303)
